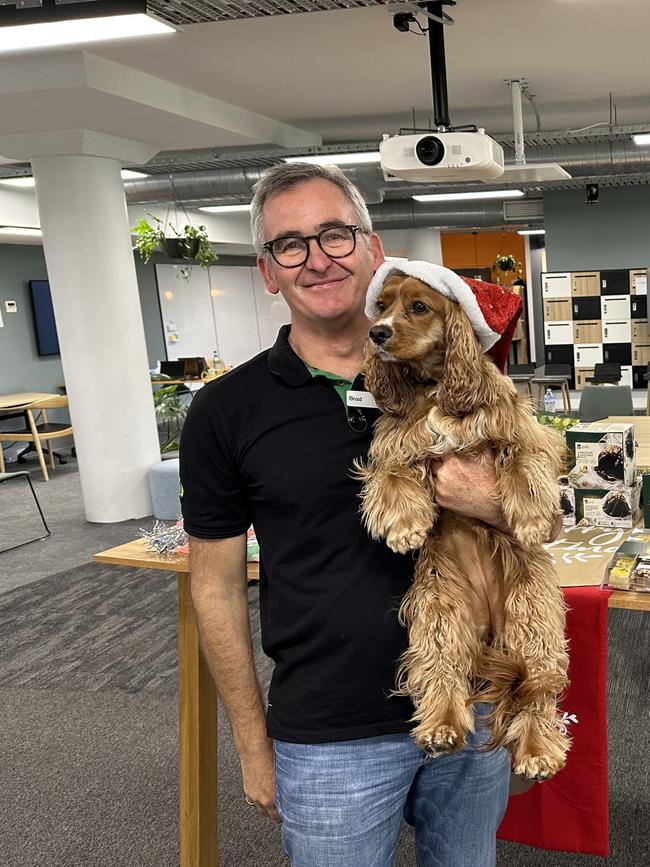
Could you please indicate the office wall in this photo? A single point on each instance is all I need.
(614, 233)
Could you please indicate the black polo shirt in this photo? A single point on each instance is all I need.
(270, 445)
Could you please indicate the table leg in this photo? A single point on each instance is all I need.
(197, 742)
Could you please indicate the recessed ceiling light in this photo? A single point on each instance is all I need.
(336, 159)
(641, 138)
(483, 194)
(531, 231)
(49, 34)
(225, 209)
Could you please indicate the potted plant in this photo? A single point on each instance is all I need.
(170, 415)
(191, 242)
(504, 263)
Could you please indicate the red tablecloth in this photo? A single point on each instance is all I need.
(570, 811)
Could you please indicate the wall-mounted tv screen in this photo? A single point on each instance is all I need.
(46, 337)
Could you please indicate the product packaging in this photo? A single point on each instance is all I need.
(629, 568)
(602, 455)
(567, 502)
(604, 507)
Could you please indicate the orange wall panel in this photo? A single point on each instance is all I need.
(479, 249)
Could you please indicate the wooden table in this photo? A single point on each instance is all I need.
(197, 711)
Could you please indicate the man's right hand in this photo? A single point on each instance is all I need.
(258, 776)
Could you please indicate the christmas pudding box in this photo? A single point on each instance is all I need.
(604, 507)
(602, 455)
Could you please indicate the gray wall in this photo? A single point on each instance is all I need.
(614, 233)
(21, 367)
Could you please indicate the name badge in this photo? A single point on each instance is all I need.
(361, 398)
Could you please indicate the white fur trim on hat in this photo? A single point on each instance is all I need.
(443, 280)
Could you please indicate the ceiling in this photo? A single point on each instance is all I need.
(344, 73)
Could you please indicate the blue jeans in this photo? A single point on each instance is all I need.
(342, 804)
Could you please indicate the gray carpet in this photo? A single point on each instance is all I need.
(88, 727)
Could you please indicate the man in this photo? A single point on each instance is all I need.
(272, 444)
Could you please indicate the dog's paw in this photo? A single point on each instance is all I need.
(444, 738)
(404, 539)
(538, 767)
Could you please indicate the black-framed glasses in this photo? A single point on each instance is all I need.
(292, 251)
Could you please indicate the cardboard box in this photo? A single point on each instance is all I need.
(604, 507)
(601, 455)
(567, 503)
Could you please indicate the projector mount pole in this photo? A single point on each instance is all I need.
(517, 120)
(436, 39)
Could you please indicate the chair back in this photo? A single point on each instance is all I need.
(52, 402)
(606, 371)
(562, 371)
(596, 402)
(521, 369)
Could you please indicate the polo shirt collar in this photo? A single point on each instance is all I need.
(284, 362)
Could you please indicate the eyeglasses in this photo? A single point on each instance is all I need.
(292, 251)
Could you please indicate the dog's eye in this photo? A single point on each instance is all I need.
(380, 306)
(419, 307)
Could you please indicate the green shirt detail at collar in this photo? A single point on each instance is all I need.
(341, 385)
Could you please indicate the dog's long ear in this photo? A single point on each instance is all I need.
(389, 382)
(464, 386)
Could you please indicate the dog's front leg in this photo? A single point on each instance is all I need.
(397, 504)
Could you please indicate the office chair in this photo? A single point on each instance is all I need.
(596, 402)
(34, 432)
(609, 372)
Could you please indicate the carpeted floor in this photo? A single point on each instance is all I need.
(88, 728)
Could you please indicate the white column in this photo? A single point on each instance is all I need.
(424, 244)
(99, 322)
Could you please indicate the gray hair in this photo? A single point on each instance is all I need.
(284, 176)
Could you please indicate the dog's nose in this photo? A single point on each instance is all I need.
(380, 334)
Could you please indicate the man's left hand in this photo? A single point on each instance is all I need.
(466, 485)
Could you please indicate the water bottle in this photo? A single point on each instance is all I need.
(216, 361)
(549, 401)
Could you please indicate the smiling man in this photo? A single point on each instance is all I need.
(272, 443)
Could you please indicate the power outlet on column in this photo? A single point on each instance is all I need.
(10, 307)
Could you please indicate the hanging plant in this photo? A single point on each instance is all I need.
(504, 263)
(189, 243)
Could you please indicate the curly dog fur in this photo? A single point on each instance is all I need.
(440, 394)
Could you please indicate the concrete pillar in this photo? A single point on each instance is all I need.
(95, 295)
(424, 244)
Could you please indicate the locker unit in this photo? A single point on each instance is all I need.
(638, 372)
(639, 306)
(557, 309)
(594, 316)
(615, 307)
(582, 374)
(585, 283)
(617, 331)
(626, 375)
(639, 331)
(588, 307)
(556, 285)
(615, 282)
(588, 354)
(620, 352)
(639, 281)
(558, 333)
(587, 331)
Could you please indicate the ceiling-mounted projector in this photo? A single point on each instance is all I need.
(441, 156)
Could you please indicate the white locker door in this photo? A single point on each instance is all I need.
(617, 331)
(233, 303)
(272, 311)
(188, 324)
(588, 354)
(626, 375)
(615, 306)
(557, 333)
(556, 285)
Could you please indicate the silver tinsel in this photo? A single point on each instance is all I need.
(164, 538)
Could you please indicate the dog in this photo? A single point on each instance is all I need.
(440, 394)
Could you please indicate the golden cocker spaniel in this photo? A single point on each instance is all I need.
(485, 615)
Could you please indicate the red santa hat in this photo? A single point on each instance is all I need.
(492, 310)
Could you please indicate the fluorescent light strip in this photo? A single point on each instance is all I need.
(641, 138)
(456, 197)
(50, 34)
(225, 209)
(23, 183)
(20, 230)
(531, 231)
(336, 159)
